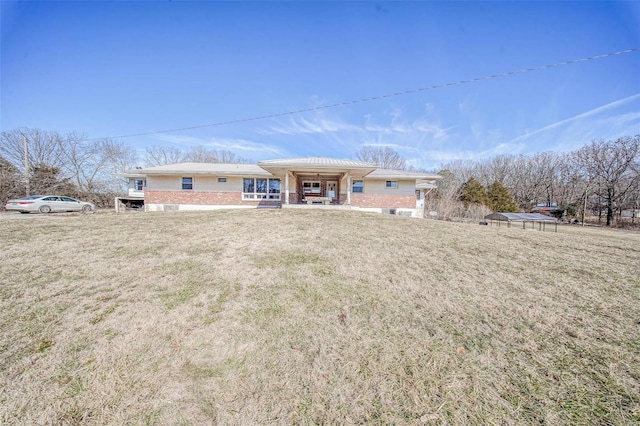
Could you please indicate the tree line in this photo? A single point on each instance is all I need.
(601, 179)
(73, 165)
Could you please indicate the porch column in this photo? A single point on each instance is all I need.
(286, 187)
(348, 188)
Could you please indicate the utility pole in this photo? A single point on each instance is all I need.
(584, 206)
(26, 164)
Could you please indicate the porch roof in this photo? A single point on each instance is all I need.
(318, 165)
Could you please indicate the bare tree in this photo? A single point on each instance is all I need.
(120, 156)
(159, 155)
(385, 158)
(200, 154)
(523, 183)
(93, 165)
(445, 199)
(67, 164)
(229, 157)
(44, 147)
(496, 169)
(11, 182)
(83, 162)
(608, 166)
(534, 179)
(571, 185)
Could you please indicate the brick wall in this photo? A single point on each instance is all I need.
(404, 201)
(201, 198)
(235, 199)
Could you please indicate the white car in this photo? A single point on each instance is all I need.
(48, 204)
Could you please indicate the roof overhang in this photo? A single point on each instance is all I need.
(131, 175)
(426, 185)
(404, 174)
(319, 166)
(214, 169)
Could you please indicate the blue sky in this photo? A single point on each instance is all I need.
(118, 68)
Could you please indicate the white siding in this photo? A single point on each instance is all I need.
(200, 183)
(405, 187)
(164, 183)
(210, 183)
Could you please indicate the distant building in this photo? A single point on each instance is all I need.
(630, 213)
(549, 209)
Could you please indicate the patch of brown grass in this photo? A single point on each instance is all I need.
(281, 316)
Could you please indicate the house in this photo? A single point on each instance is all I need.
(134, 199)
(284, 183)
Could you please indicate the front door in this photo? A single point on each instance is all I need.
(332, 189)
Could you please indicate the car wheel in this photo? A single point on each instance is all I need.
(86, 208)
(44, 209)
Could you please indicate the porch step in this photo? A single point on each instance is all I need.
(317, 206)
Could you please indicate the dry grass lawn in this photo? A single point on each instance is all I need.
(315, 317)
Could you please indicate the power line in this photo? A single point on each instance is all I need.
(375, 98)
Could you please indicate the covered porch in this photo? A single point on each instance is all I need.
(318, 181)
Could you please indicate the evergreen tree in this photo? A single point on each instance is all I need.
(500, 199)
(46, 180)
(472, 192)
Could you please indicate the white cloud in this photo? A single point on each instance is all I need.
(606, 121)
(242, 147)
(300, 125)
(393, 124)
(382, 145)
(177, 139)
(325, 133)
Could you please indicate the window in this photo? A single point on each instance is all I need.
(248, 185)
(418, 194)
(274, 186)
(311, 187)
(260, 189)
(222, 180)
(139, 184)
(392, 184)
(357, 186)
(261, 186)
(187, 183)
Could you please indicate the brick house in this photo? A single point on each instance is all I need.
(286, 183)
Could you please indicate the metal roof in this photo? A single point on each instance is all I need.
(268, 167)
(521, 217)
(204, 168)
(426, 185)
(317, 162)
(401, 174)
